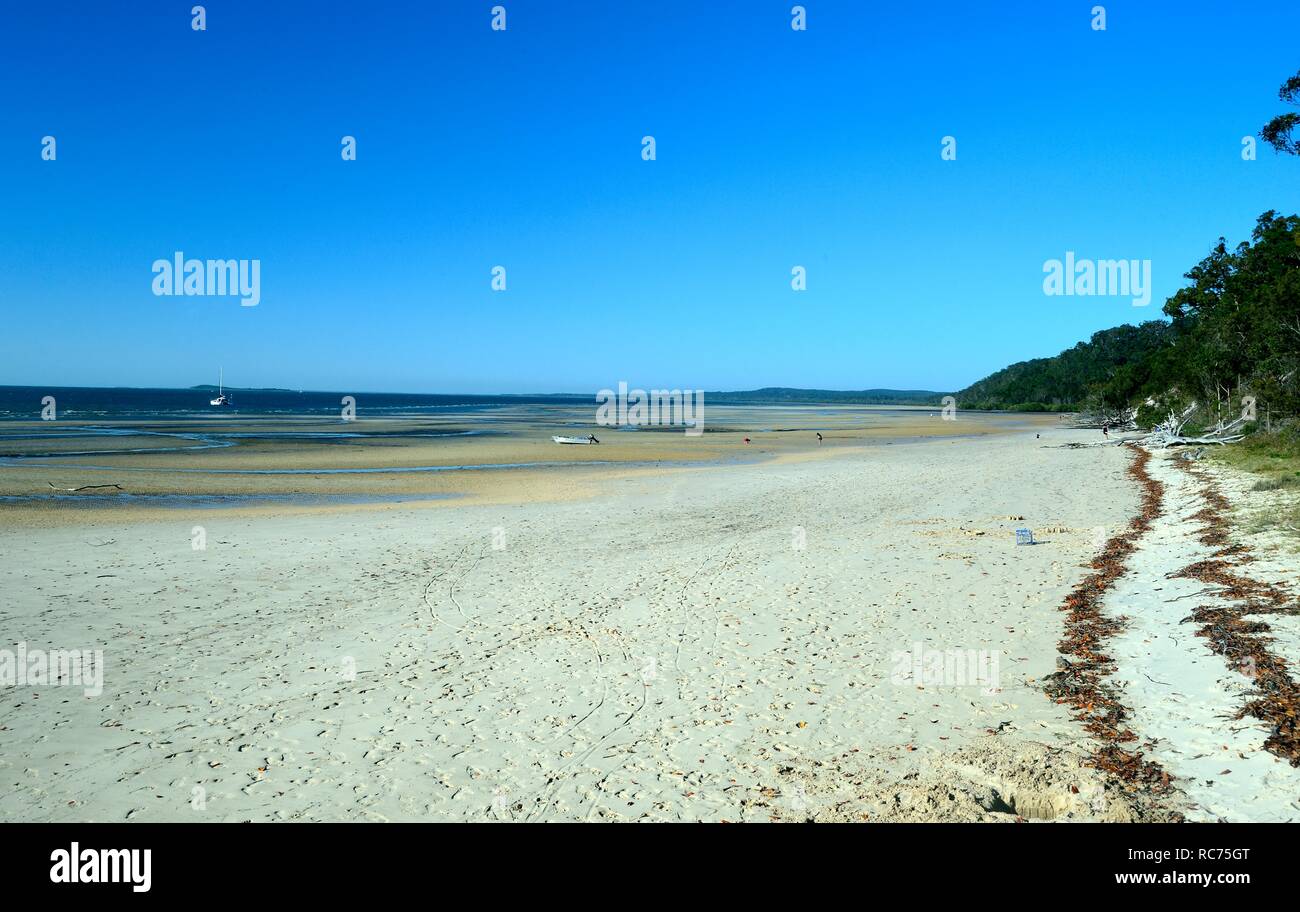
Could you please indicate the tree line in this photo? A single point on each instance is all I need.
(1231, 341)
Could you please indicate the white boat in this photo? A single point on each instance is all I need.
(590, 438)
(222, 398)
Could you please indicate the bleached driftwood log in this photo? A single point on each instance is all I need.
(1125, 420)
(1166, 434)
(1169, 433)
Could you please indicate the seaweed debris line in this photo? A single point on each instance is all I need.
(1168, 663)
(1084, 668)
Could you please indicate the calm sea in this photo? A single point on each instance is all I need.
(24, 403)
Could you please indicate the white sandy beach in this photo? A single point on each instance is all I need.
(664, 649)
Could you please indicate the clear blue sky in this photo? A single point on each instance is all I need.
(478, 148)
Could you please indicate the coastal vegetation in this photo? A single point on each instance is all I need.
(1228, 350)
(1278, 131)
(1229, 346)
(1104, 367)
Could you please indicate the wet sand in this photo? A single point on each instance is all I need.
(498, 456)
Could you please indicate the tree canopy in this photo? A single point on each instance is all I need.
(1277, 132)
(1232, 331)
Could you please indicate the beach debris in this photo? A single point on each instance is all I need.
(1169, 433)
(1082, 667)
(1234, 631)
(85, 487)
(1025, 537)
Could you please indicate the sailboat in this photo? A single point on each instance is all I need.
(222, 398)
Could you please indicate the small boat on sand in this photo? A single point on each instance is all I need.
(590, 438)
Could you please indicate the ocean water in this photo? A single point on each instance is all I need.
(76, 403)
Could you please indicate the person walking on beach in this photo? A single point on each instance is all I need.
(819, 438)
(1105, 430)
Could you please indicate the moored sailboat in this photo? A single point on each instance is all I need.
(222, 398)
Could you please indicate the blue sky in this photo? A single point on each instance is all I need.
(522, 148)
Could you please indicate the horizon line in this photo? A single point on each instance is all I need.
(289, 389)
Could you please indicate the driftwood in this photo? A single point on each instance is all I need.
(1074, 445)
(1169, 433)
(1167, 442)
(1166, 434)
(85, 487)
(1124, 419)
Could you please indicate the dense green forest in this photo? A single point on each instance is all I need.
(1232, 332)
(1065, 382)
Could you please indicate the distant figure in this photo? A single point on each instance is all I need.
(1105, 430)
(746, 440)
(592, 438)
(819, 438)
(1038, 436)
